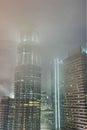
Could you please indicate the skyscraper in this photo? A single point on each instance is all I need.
(11, 114)
(27, 84)
(46, 113)
(57, 93)
(4, 109)
(75, 90)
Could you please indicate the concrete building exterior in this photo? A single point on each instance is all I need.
(75, 90)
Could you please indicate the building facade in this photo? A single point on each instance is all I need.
(46, 112)
(11, 114)
(75, 90)
(4, 110)
(57, 93)
(27, 85)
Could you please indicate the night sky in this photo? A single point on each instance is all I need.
(61, 25)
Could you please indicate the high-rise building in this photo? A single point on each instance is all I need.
(4, 109)
(27, 84)
(75, 90)
(57, 93)
(46, 112)
(11, 114)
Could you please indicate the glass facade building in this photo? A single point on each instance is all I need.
(57, 94)
(11, 114)
(27, 85)
(46, 113)
(4, 110)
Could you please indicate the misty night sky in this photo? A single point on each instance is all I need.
(61, 25)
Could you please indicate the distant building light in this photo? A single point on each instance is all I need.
(22, 80)
(84, 50)
(25, 39)
(30, 37)
(47, 97)
(12, 95)
(61, 61)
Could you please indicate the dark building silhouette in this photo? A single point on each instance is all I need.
(27, 84)
(75, 89)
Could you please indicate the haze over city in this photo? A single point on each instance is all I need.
(61, 25)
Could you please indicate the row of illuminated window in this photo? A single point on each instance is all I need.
(28, 76)
(28, 58)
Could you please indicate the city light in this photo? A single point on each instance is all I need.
(43, 65)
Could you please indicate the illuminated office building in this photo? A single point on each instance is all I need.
(44, 98)
(46, 113)
(75, 90)
(11, 112)
(57, 93)
(4, 108)
(27, 84)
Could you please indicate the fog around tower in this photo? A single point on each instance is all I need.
(61, 25)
